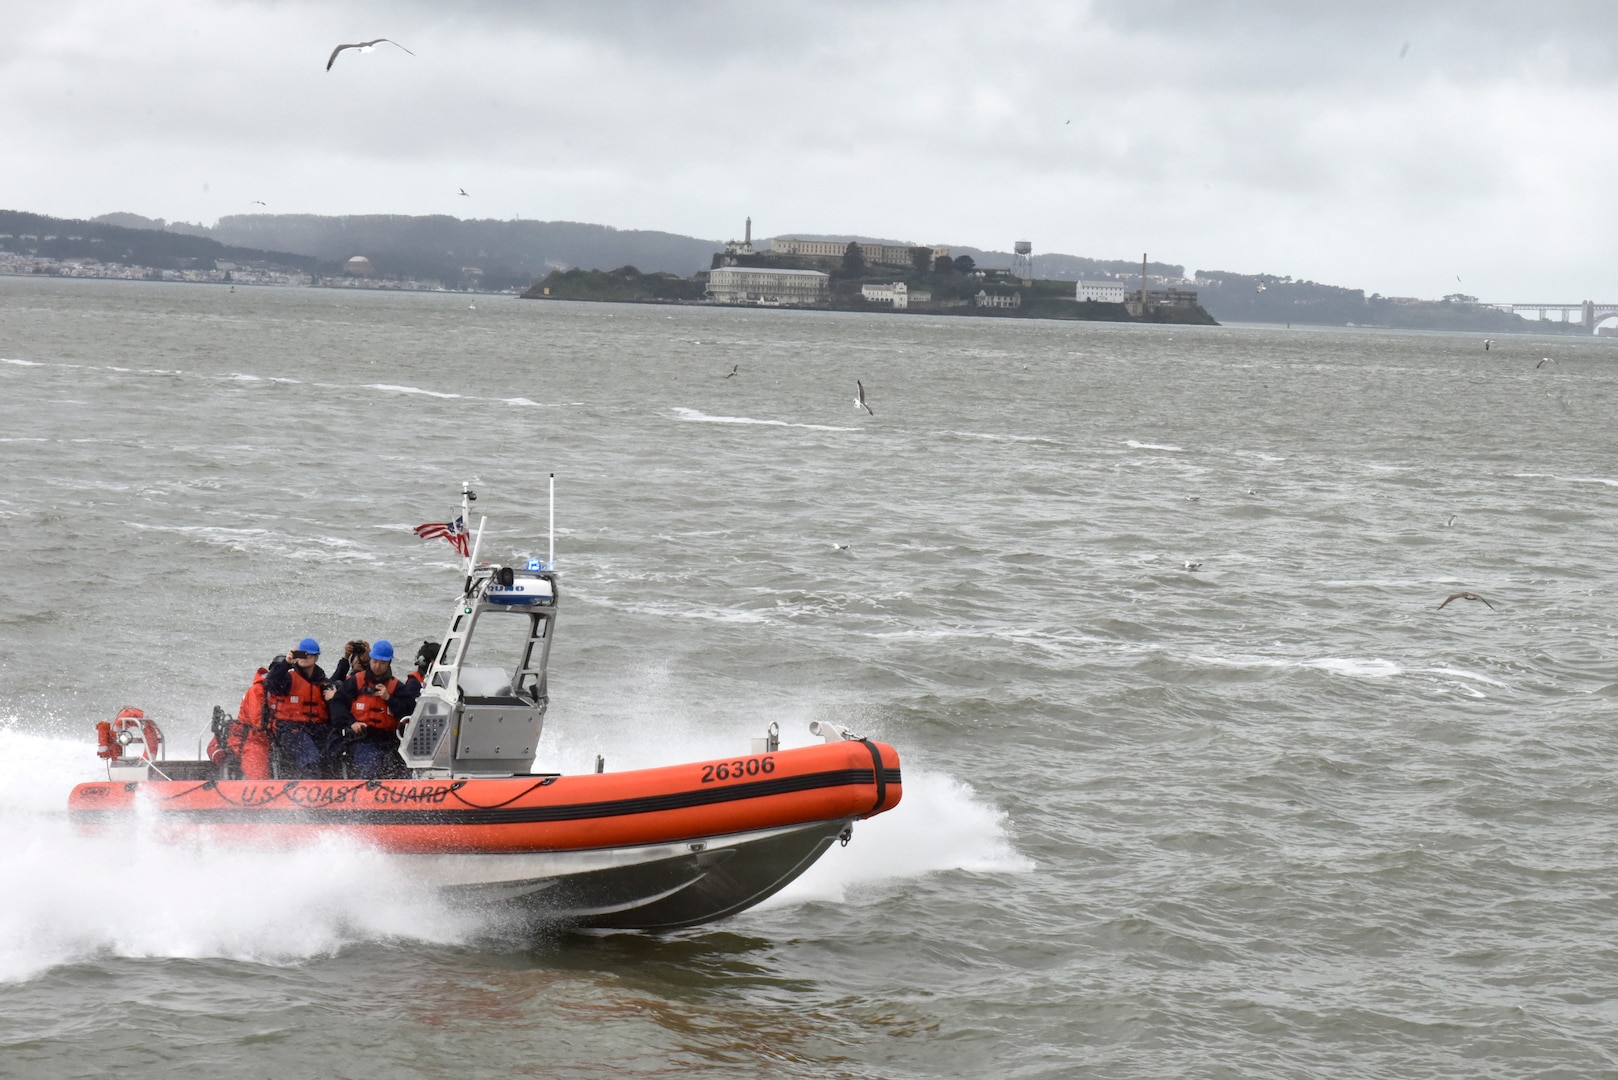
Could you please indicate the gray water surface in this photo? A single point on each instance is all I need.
(1277, 815)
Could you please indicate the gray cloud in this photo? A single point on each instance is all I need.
(1247, 136)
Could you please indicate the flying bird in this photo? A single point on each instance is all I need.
(859, 402)
(259, 202)
(733, 368)
(1404, 49)
(1464, 596)
(1543, 362)
(463, 192)
(362, 46)
(1193, 566)
(1486, 343)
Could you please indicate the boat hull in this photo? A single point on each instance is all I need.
(648, 849)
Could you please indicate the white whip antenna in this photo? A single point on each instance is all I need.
(551, 562)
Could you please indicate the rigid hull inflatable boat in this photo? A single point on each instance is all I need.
(649, 849)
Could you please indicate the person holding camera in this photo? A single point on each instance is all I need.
(356, 654)
(369, 706)
(294, 689)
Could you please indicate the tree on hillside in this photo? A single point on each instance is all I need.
(921, 258)
(853, 260)
(964, 264)
(943, 265)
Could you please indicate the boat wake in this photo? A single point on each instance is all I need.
(93, 897)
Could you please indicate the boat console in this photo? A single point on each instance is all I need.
(482, 705)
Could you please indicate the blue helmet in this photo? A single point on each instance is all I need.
(382, 650)
(310, 646)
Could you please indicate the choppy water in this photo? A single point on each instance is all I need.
(1275, 816)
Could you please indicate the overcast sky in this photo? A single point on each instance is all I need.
(1405, 148)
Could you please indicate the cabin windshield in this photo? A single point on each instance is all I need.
(504, 657)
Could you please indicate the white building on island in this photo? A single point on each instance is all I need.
(898, 294)
(1102, 292)
(765, 285)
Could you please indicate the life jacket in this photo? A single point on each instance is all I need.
(369, 709)
(252, 716)
(303, 704)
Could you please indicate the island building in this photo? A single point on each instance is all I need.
(899, 294)
(1101, 292)
(1141, 300)
(873, 254)
(988, 299)
(745, 247)
(767, 285)
(358, 266)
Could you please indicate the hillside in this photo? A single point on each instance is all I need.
(103, 241)
(503, 254)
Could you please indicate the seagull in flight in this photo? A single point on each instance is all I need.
(463, 192)
(1464, 596)
(1543, 362)
(258, 202)
(733, 368)
(859, 402)
(362, 46)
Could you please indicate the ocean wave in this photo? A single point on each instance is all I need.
(703, 418)
(394, 389)
(1132, 444)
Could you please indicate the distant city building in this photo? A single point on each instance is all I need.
(898, 294)
(359, 266)
(881, 254)
(985, 298)
(1102, 292)
(763, 285)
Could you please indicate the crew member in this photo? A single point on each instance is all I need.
(369, 705)
(249, 738)
(355, 656)
(424, 659)
(293, 686)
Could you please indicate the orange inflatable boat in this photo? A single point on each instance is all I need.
(648, 849)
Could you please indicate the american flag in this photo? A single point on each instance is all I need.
(453, 531)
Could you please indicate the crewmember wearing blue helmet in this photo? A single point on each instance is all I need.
(368, 707)
(297, 707)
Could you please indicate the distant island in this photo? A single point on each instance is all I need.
(854, 275)
(572, 259)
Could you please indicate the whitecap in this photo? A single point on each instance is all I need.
(1152, 446)
(21, 363)
(704, 418)
(1362, 669)
(408, 390)
(1459, 673)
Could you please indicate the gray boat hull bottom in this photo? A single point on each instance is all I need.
(650, 887)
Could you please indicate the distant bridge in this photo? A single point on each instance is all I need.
(1589, 313)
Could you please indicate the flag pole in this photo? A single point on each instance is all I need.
(467, 496)
(551, 562)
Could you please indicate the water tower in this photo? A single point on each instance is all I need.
(1022, 260)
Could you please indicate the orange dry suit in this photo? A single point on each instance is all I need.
(249, 738)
